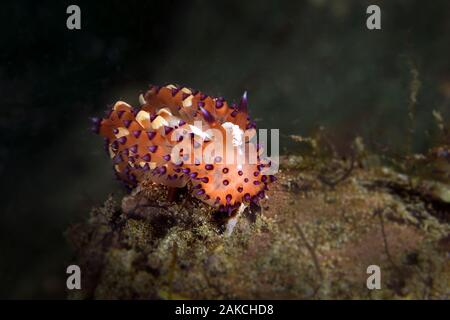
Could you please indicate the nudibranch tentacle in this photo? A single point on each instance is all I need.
(180, 135)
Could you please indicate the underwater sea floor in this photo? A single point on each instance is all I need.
(313, 238)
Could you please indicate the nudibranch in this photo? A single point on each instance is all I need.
(181, 136)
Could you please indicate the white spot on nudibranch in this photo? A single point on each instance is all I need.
(121, 103)
(159, 122)
(142, 99)
(143, 118)
(187, 102)
(122, 132)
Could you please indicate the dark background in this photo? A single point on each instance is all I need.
(304, 63)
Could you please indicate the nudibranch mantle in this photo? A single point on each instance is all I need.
(180, 136)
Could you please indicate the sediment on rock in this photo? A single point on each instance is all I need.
(309, 240)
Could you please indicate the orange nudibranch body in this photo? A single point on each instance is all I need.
(180, 136)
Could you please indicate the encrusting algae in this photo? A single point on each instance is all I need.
(313, 240)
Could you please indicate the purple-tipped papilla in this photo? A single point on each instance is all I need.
(120, 113)
(200, 104)
(167, 130)
(126, 123)
(95, 120)
(243, 104)
(162, 170)
(117, 159)
(114, 145)
(193, 174)
(134, 148)
(132, 177)
(179, 164)
(95, 124)
(251, 125)
(151, 135)
(207, 115)
(219, 104)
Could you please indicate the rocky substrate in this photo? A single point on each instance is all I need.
(312, 238)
